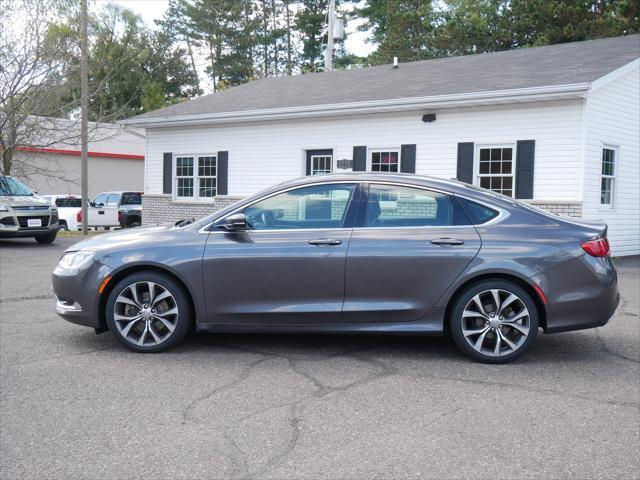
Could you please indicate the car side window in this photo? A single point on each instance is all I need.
(398, 206)
(101, 199)
(317, 206)
(113, 200)
(478, 214)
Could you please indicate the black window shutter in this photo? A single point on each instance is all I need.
(223, 173)
(408, 159)
(167, 172)
(525, 154)
(308, 164)
(464, 172)
(359, 159)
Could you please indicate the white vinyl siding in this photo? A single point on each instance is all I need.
(277, 149)
(612, 115)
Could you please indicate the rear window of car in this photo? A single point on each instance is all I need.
(477, 213)
(68, 202)
(131, 198)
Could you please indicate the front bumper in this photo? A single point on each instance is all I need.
(15, 223)
(582, 293)
(77, 297)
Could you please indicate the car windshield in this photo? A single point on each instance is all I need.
(131, 198)
(11, 187)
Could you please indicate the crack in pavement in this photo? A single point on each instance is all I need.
(57, 357)
(321, 391)
(22, 299)
(244, 374)
(612, 352)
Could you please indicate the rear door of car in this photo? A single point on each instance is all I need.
(410, 246)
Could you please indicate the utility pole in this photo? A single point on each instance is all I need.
(84, 111)
(328, 54)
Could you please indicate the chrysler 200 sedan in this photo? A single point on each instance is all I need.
(348, 254)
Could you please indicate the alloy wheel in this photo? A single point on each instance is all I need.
(145, 314)
(495, 322)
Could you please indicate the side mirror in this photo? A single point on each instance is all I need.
(235, 223)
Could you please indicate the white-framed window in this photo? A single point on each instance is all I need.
(608, 175)
(195, 176)
(495, 168)
(321, 164)
(384, 160)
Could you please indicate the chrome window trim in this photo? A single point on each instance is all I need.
(501, 212)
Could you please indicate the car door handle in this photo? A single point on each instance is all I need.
(446, 241)
(325, 241)
(100, 212)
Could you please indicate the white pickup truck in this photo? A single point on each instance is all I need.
(113, 210)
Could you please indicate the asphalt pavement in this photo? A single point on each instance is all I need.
(74, 404)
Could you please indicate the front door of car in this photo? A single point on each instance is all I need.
(287, 266)
(411, 245)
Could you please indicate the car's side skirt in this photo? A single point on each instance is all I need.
(431, 324)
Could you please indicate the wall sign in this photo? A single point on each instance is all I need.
(344, 164)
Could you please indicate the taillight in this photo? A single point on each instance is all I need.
(596, 248)
(119, 216)
(79, 216)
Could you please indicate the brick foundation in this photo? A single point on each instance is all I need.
(158, 209)
(564, 209)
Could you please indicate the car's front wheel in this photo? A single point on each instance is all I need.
(494, 321)
(48, 238)
(148, 312)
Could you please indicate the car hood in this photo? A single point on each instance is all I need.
(129, 238)
(23, 201)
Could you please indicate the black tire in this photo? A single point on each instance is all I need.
(48, 238)
(133, 224)
(62, 226)
(183, 320)
(456, 322)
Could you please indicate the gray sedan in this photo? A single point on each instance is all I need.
(399, 254)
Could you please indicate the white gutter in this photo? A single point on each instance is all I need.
(557, 92)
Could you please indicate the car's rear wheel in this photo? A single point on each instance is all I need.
(148, 312)
(48, 238)
(494, 321)
(63, 226)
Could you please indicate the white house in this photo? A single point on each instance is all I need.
(51, 162)
(556, 126)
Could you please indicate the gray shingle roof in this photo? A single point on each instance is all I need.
(562, 64)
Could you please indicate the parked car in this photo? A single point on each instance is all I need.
(114, 209)
(68, 208)
(349, 253)
(23, 214)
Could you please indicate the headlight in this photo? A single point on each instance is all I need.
(73, 262)
(3, 208)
